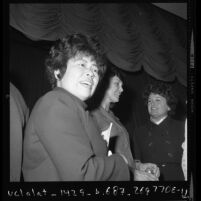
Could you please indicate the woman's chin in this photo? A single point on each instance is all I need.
(116, 100)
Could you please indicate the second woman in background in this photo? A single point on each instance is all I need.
(113, 131)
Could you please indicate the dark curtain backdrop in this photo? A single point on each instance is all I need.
(133, 34)
(27, 73)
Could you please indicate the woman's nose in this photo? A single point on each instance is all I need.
(153, 103)
(121, 89)
(90, 72)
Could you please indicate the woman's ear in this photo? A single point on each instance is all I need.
(169, 108)
(57, 74)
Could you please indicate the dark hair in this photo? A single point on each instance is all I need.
(67, 48)
(102, 87)
(112, 72)
(164, 90)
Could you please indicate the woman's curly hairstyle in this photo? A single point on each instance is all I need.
(67, 48)
(164, 90)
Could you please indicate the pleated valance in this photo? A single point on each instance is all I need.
(134, 35)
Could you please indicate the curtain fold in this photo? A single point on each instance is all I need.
(134, 35)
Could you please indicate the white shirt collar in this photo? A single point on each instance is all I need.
(158, 122)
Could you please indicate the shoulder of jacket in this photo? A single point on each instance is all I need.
(56, 98)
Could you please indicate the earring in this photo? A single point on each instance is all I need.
(57, 74)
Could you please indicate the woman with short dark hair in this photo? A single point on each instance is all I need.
(159, 141)
(62, 142)
(113, 130)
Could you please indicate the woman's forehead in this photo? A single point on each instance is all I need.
(116, 79)
(84, 55)
(154, 95)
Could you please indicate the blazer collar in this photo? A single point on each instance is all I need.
(82, 103)
(163, 124)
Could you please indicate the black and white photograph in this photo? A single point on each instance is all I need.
(101, 101)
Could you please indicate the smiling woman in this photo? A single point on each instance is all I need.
(159, 141)
(157, 107)
(80, 78)
(62, 142)
(114, 132)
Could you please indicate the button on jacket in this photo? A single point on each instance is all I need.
(161, 144)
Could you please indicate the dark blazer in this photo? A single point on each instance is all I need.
(62, 143)
(161, 144)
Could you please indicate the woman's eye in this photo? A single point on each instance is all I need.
(82, 65)
(95, 70)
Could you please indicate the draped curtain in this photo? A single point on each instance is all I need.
(134, 35)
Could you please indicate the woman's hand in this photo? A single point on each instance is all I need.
(144, 176)
(150, 168)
